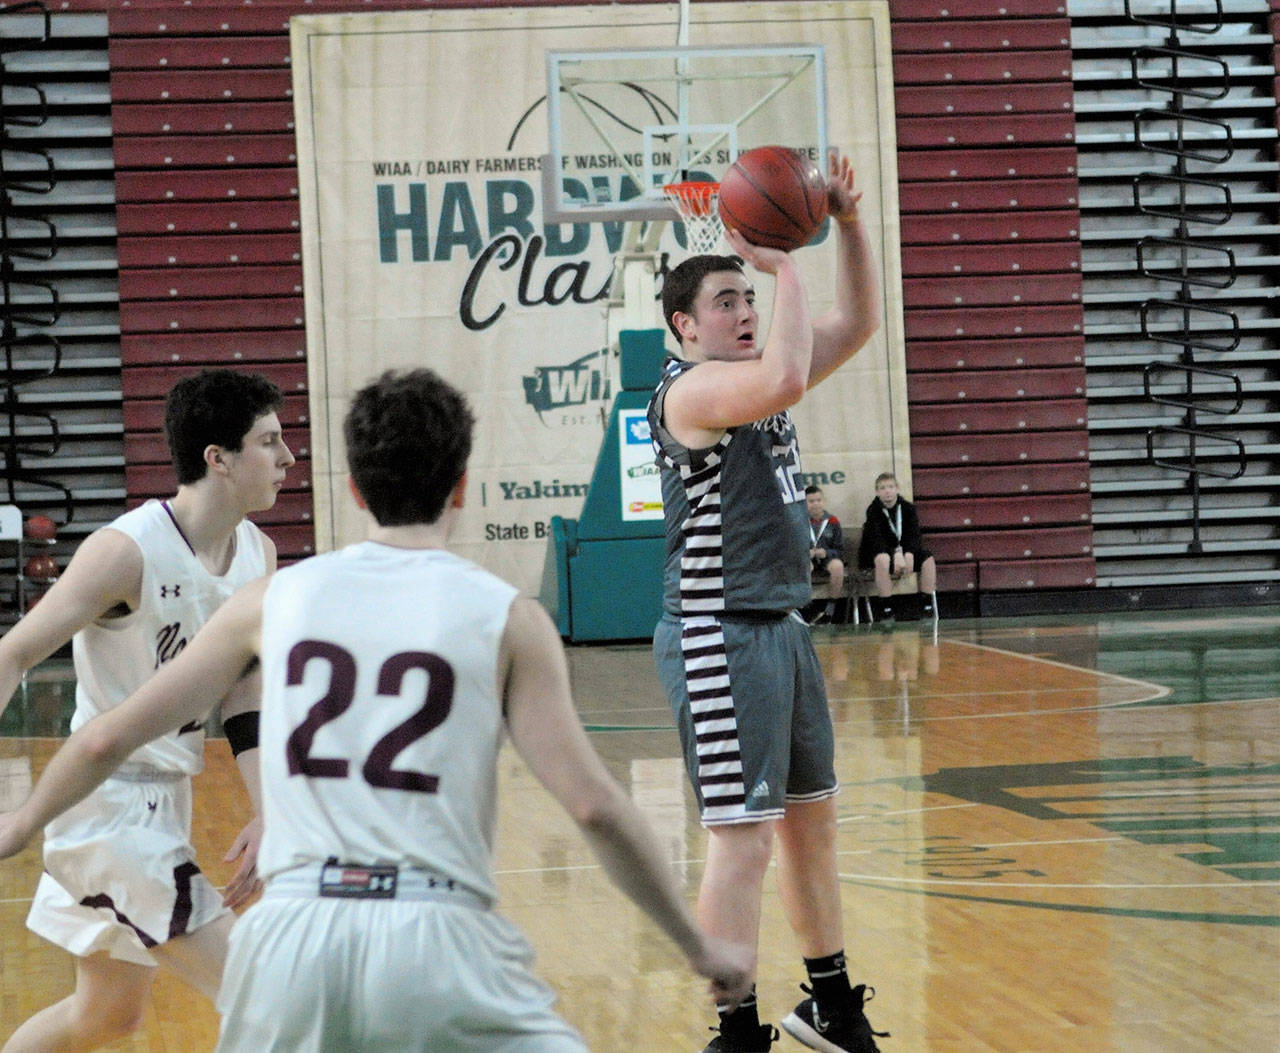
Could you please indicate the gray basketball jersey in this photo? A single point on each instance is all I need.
(382, 712)
(115, 656)
(736, 523)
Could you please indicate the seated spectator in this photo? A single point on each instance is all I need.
(893, 547)
(826, 554)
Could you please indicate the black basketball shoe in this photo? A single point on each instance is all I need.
(845, 1032)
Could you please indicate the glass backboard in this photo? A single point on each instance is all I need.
(622, 124)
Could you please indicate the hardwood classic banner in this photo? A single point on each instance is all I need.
(421, 138)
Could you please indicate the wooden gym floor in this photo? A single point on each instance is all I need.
(1055, 834)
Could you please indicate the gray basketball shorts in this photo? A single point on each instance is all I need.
(751, 707)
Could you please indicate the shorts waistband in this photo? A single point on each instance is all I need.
(304, 882)
(753, 616)
(146, 773)
(734, 616)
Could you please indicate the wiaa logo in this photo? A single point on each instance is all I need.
(583, 380)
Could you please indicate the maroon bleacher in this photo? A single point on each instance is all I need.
(977, 385)
(207, 214)
(168, 283)
(992, 292)
(931, 451)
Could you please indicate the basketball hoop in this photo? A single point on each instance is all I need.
(696, 203)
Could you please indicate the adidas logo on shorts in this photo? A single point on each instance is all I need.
(762, 789)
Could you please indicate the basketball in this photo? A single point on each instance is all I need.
(775, 197)
(40, 528)
(41, 568)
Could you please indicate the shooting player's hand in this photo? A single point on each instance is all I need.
(842, 196)
(763, 259)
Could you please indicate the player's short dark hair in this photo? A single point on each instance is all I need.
(812, 488)
(680, 286)
(408, 438)
(885, 475)
(215, 407)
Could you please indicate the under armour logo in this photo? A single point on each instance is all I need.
(164, 590)
(151, 806)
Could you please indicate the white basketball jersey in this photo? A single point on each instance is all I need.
(382, 712)
(115, 656)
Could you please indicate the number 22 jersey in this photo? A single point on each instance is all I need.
(382, 712)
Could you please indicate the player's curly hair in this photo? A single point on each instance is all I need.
(215, 407)
(408, 438)
(680, 286)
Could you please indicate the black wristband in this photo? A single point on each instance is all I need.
(242, 732)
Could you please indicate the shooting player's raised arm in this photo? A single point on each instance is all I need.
(735, 384)
(840, 332)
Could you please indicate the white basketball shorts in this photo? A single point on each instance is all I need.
(307, 974)
(120, 872)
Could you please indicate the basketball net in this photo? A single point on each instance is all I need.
(696, 203)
